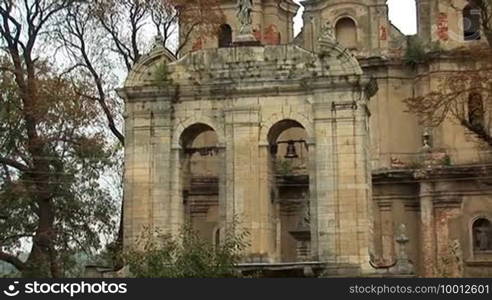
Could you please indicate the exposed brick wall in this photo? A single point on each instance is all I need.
(198, 44)
(446, 262)
(442, 27)
(257, 34)
(271, 35)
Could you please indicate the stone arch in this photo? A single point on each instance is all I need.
(289, 176)
(471, 23)
(182, 126)
(471, 222)
(346, 31)
(276, 118)
(478, 221)
(140, 71)
(280, 126)
(225, 36)
(199, 176)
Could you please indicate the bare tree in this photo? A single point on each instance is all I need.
(45, 148)
(99, 33)
(462, 95)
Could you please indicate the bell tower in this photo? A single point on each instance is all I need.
(359, 25)
(272, 24)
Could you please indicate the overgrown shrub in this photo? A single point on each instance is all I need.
(185, 256)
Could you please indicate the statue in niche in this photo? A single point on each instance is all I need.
(244, 9)
(482, 238)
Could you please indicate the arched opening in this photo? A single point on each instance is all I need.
(225, 36)
(200, 179)
(289, 188)
(476, 111)
(346, 33)
(471, 23)
(482, 235)
(217, 237)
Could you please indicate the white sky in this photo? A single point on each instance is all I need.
(402, 14)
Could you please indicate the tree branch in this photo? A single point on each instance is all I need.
(13, 260)
(14, 164)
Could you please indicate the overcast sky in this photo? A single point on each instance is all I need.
(401, 13)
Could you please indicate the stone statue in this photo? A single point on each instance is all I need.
(305, 220)
(482, 238)
(244, 9)
(158, 42)
(426, 140)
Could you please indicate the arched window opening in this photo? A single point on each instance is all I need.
(225, 36)
(289, 189)
(471, 23)
(476, 111)
(200, 179)
(217, 238)
(482, 235)
(346, 33)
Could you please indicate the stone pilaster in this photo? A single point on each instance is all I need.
(249, 192)
(138, 180)
(343, 194)
(427, 230)
(161, 168)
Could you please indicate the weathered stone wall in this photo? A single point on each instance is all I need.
(219, 88)
(272, 24)
(366, 171)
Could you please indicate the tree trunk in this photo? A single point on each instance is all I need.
(42, 261)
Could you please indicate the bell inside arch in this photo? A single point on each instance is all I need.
(291, 150)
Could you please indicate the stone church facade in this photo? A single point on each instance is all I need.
(305, 142)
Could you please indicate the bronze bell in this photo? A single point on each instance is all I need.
(291, 150)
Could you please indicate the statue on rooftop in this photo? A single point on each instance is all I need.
(244, 9)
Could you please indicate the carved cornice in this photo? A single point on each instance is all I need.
(434, 174)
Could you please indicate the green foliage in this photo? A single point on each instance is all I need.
(418, 52)
(446, 160)
(415, 53)
(76, 203)
(161, 74)
(185, 256)
(285, 167)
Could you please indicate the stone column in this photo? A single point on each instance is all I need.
(161, 169)
(355, 193)
(248, 192)
(223, 216)
(313, 199)
(424, 20)
(138, 161)
(344, 211)
(387, 228)
(427, 230)
(323, 191)
(175, 207)
(266, 183)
